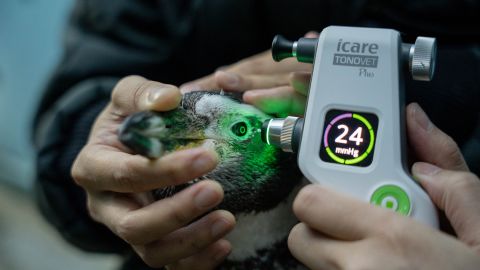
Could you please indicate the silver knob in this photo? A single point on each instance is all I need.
(422, 58)
(287, 132)
(279, 132)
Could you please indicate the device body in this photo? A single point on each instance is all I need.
(353, 137)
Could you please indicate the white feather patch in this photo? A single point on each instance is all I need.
(256, 231)
(209, 103)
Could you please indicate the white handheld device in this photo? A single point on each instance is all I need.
(353, 135)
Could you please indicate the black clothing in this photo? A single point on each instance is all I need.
(178, 41)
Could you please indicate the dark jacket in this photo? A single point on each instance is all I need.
(178, 41)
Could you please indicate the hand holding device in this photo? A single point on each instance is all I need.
(353, 134)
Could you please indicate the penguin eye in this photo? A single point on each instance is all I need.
(240, 129)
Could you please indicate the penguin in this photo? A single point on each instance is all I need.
(259, 181)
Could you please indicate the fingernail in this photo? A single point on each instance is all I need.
(205, 161)
(230, 79)
(425, 169)
(220, 227)
(206, 198)
(421, 118)
(156, 94)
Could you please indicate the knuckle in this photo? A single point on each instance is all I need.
(151, 258)
(390, 228)
(126, 176)
(93, 209)
(127, 229)
(463, 182)
(193, 242)
(195, 245)
(125, 83)
(122, 177)
(452, 152)
(77, 174)
(450, 145)
(460, 186)
(180, 213)
(81, 170)
(391, 236)
(175, 172)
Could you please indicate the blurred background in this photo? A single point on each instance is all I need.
(31, 34)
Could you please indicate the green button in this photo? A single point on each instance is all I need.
(392, 197)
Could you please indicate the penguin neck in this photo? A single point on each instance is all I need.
(257, 231)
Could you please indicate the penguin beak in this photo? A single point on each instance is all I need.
(152, 134)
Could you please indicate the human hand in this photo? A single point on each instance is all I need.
(117, 183)
(339, 232)
(275, 88)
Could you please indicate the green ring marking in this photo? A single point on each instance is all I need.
(362, 119)
(356, 160)
(333, 156)
(372, 139)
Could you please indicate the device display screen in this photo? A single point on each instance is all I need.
(349, 138)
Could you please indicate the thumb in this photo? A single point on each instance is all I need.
(429, 143)
(458, 194)
(135, 93)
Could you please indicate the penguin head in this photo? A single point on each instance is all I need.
(255, 176)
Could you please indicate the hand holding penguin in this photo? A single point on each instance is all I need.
(115, 180)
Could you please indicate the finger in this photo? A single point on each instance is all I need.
(315, 250)
(281, 100)
(311, 34)
(262, 64)
(300, 81)
(257, 64)
(152, 222)
(337, 215)
(206, 259)
(188, 240)
(135, 93)
(457, 193)
(204, 83)
(104, 169)
(237, 82)
(430, 143)
(109, 207)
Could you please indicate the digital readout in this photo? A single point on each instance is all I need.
(349, 138)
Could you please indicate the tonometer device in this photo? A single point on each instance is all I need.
(353, 135)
